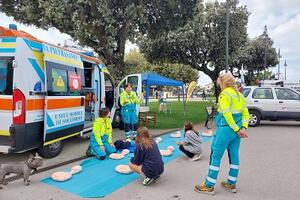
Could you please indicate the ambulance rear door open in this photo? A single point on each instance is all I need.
(64, 101)
(135, 80)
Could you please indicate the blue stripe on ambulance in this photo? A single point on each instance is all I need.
(34, 45)
(37, 69)
(9, 39)
(7, 50)
(49, 121)
(64, 127)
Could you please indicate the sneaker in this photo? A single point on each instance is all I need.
(147, 181)
(204, 189)
(196, 157)
(229, 187)
(88, 152)
(156, 179)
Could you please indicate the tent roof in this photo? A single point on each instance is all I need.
(151, 78)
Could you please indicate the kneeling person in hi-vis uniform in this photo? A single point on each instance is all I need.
(101, 144)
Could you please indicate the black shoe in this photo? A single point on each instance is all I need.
(147, 181)
(88, 152)
(156, 178)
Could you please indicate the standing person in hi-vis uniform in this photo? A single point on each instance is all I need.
(129, 100)
(232, 122)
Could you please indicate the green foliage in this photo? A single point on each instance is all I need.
(135, 62)
(200, 43)
(103, 25)
(195, 112)
(252, 57)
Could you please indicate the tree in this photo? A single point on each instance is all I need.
(135, 62)
(103, 25)
(200, 43)
(251, 56)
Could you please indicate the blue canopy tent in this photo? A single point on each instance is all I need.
(150, 78)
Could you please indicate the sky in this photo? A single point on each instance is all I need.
(282, 18)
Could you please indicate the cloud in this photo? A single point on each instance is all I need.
(52, 35)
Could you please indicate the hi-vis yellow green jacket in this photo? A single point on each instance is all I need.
(131, 98)
(102, 127)
(232, 102)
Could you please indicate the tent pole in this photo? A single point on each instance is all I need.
(183, 99)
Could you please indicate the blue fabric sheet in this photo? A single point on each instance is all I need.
(98, 177)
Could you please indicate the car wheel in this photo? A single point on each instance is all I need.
(51, 150)
(255, 118)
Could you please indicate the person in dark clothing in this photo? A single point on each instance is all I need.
(147, 160)
(203, 96)
(121, 145)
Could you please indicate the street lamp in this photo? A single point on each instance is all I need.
(265, 36)
(285, 65)
(279, 56)
(227, 27)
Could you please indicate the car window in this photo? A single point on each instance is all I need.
(246, 91)
(286, 94)
(262, 93)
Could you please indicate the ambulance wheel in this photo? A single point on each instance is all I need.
(51, 150)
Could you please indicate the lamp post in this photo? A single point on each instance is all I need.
(265, 35)
(279, 56)
(227, 27)
(285, 65)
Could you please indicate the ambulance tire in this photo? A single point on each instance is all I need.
(51, 150)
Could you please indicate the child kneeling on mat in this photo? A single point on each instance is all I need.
(147, 160)
(101, 144)
(191, 146)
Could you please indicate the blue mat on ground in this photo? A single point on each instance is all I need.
(98, 177)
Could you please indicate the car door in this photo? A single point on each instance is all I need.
(287, 103)
(263, 100)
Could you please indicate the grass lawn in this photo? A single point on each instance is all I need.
(195, 112)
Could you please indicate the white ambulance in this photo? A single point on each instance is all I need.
(47, 93)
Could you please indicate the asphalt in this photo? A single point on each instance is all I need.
(270, 164)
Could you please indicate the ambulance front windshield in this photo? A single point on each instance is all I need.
(6, 75)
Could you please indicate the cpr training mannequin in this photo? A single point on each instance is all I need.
(101, 144)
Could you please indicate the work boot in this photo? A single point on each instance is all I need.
(229, 187)
(204, 189)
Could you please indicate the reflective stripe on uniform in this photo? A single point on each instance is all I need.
(214, 168)
(232, 178)
(234, 166)
(211, 180)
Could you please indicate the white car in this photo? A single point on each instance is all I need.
(272, 103)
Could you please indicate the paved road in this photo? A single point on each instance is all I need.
(270, 163)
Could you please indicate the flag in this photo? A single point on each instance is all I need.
(191, 88)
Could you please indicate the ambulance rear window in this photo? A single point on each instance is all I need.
(6, 75)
